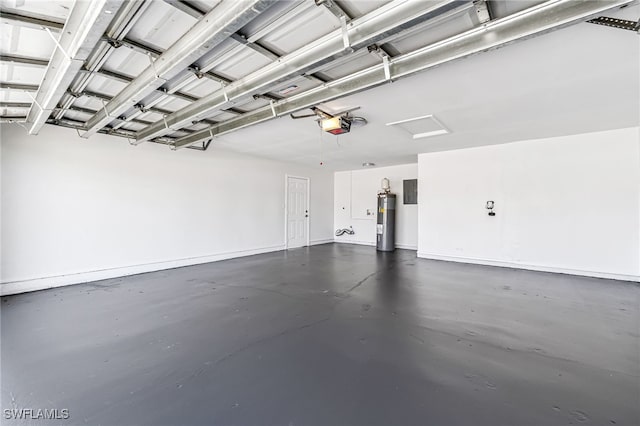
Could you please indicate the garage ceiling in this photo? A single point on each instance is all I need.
(182, 73)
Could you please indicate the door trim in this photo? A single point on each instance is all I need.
(286, 208)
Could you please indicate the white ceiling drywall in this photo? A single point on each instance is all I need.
(580, 79)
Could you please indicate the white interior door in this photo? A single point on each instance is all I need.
(297, 211)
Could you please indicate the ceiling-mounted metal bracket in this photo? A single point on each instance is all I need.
(34, 100)
(387, 70)
(334, 8)
(104, 107)
(153, 65)
(621, 24)
(345, 32)
(113, 42)
(375, 50)
(203, 147)
(317, 112)
(58, 45)
(140, 107)
(297, 117)
(224, 92)
(164, 118)
(322, 114)
(196, 71)
(482, 10)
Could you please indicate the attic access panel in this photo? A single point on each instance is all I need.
(421, 127)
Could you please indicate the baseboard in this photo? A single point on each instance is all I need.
(540, 268)
(318, 242)
(23, 286)
(361, 243)
(372, 244)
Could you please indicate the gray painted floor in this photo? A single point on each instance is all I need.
(330, 335)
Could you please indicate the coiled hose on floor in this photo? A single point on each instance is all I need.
(343, 231)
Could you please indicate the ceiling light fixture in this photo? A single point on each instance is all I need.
(368, 164)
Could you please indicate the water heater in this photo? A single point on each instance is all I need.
(386, 226)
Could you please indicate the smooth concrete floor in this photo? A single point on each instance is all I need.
(328, 335)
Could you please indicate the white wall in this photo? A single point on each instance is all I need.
(356, 191)
(565, 204)
(76, 210)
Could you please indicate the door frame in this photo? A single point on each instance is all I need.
(286, 207)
